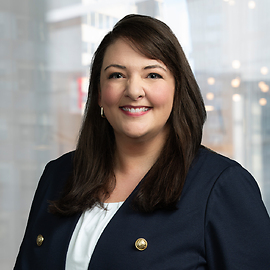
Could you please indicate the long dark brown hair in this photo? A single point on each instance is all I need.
(94, 156)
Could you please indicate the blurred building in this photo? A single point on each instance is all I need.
(231, 57)
(26, 122)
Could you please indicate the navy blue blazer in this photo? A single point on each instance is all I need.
(220, 224)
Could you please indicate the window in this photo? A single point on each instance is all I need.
(44, 83)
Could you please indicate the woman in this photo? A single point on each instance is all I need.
(140, 191)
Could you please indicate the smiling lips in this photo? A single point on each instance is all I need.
(135, 110)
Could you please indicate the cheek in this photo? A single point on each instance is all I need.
(163, 96)
(108, 96)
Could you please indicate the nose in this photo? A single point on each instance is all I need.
(134, 88)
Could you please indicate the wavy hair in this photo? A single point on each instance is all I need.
(94, 156)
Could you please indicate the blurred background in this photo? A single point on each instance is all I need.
(46, 48)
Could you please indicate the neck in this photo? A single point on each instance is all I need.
(135, 156)
(133, 159)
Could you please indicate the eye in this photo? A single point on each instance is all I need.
(154, 76)
(116, 75)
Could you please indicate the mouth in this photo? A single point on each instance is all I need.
(135, 110)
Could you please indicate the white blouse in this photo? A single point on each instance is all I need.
(86, 234)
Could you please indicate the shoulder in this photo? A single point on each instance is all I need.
(209, 165)
(65, 161)
(59, 167)
(224, 168)
(211, 173)
(229, 188)
(216, 166)
(236, 221)
(208, 157)
(55, 176)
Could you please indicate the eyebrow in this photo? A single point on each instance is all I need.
(145, 68)
(116, 66)
(155, 66)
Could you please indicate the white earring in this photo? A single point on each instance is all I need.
(102, 112)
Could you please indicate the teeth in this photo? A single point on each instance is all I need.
(137, 110)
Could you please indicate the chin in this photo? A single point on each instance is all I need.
(135, 132)
(136, 136)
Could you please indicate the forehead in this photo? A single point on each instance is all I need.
(125, 52)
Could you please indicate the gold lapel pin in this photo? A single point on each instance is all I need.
(40, 240)
(141, 244)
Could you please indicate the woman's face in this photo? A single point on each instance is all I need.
(136, 92)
